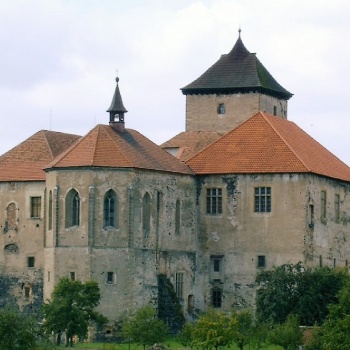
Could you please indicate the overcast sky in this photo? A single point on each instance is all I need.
(59, 60)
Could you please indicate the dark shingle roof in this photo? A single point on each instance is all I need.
(238, 71)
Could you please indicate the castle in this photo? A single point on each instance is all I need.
(241, 189)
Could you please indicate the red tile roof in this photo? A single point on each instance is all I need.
(25, 162)
(268, 144)
(190, 143)
(105, 147)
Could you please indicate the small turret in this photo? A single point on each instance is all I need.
(116, 110)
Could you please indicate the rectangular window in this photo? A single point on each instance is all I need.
(311, 216)
(72, 276)
(179, 284)
(214, 201)
(216, 265)
(35, 207)
(337, 206)
(110, 277)
(31, 261)
(323, 204)
(261, 261)
(27, 291)
(217, 298)
(262, 200)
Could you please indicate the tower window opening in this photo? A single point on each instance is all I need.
(221, 108)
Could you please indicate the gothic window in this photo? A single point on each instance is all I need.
(214, 201)
(177, 217)
(323, 204)
(35, 207)
(179, 285)
(146, 214)
(72, 208)
(110, 210)
(262, 200)
(50, 210)
(221, 108)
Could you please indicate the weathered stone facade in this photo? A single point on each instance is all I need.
(147, 226)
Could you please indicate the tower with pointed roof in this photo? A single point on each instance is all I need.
(232, 90)
(117, 110)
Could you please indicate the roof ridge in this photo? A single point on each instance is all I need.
(47, 142)
(64, 153)
(98, 127)
(120, 149)
(285, 141)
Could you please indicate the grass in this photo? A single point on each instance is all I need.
(170, 343)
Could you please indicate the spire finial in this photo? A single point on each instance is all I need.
(117, 78)
(239, 31)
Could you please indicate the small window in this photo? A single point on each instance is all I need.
(177, 217)
(72, 276)
(262, 200)
(31, 261)
(48, 276)
(179, 284)
(274, 110)
(110, 277)
(334, 262)
(320, 261)
(261, 261)
(35, 207)
(27, 291)
(214, 201)
(217, 298)
(323, 204)
(311, 216)
(221, 108)
(50, 210)
(337, 206)
(216, 265)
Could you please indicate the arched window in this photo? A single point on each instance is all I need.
(72, 208)
(177, 217)
(146, 213)
(110, 210)
(50, 210)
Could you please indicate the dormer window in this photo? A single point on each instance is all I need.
(221, 108)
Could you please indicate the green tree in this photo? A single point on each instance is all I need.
(288, 334)
(292, 289)
(213, 330)
(71, 309)
(185, 337)
(335, 332)
(243, 328)
(16, 331)
(145, 328)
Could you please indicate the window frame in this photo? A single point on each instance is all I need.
(261, 263)
(323, 207)
(35, 207)
(111, 278)
(110, 210)
(179, 285)
(221, 109)
(337, 206)
(262, 199)
(216, 298)
(213, 201)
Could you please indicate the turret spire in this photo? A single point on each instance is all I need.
(117, 110)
